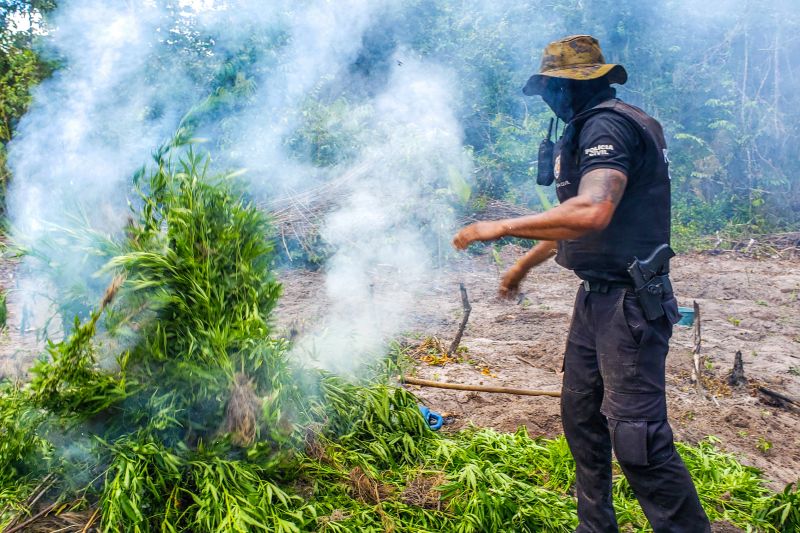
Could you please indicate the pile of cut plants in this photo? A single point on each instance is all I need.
(173, 406)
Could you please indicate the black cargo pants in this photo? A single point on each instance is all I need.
(613, 395)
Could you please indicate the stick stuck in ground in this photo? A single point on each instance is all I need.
(467, 310)
(697, 368)
(737, 373)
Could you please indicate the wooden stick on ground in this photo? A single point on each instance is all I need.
(523, 360)
(479, 388)
(697, 368)
(467, 310)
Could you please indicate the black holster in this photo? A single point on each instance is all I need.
(651, 294)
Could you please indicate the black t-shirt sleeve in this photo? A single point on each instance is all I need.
(608, 140)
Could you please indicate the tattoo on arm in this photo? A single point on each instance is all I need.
(603, 185)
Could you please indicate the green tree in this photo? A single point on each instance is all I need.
(21, 68)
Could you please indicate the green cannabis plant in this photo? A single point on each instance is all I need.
(172, 406)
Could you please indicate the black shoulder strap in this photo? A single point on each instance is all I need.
(572, 132)
(573, 129)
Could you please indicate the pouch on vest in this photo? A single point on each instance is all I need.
(545, 174)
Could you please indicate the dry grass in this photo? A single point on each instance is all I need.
(111, 291)
(59, 519)
(313, 447)
(713, 385)
(366, 489)
(300, 216)
(422, 491)
(716, 386)
(760, 246)
(242, 412)
(433, 351)
(337, 515)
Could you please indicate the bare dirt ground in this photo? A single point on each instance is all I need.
(746, 304)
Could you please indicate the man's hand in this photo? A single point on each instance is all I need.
(509, 285)
(479, 231)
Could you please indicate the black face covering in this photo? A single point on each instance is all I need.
(559, 98)
(567, 98)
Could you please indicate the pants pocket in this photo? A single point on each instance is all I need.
(627, 333)
(632, 316)
(629, 440)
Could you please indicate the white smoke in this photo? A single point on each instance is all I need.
(84, 133)
(124, 88)
(382, 257)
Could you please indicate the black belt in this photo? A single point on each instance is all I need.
(605, 286)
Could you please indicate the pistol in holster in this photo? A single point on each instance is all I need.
(651, 280)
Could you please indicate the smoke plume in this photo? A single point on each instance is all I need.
(128, 80)
(381, 97)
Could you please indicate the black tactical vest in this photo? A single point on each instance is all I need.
(641, 221)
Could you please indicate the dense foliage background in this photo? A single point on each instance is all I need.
(21, 68)
(183, 390)
(721, 78)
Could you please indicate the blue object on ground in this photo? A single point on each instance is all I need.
(434, 419)
(688, 316)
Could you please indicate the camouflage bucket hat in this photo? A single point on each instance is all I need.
(576, 58)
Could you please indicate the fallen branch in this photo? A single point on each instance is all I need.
(467, 310)
(779, 396)
(523, 360)
(479, 388)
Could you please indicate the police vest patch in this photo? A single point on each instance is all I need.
(557, 166)
(600, 149)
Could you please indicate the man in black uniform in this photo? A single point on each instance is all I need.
(612, 181)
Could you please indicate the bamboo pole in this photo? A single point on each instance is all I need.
(479, 388)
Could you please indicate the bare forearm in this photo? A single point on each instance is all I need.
(570, 220)
(537, 255)
(591, 210)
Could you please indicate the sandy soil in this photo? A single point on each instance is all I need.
(746, 304)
